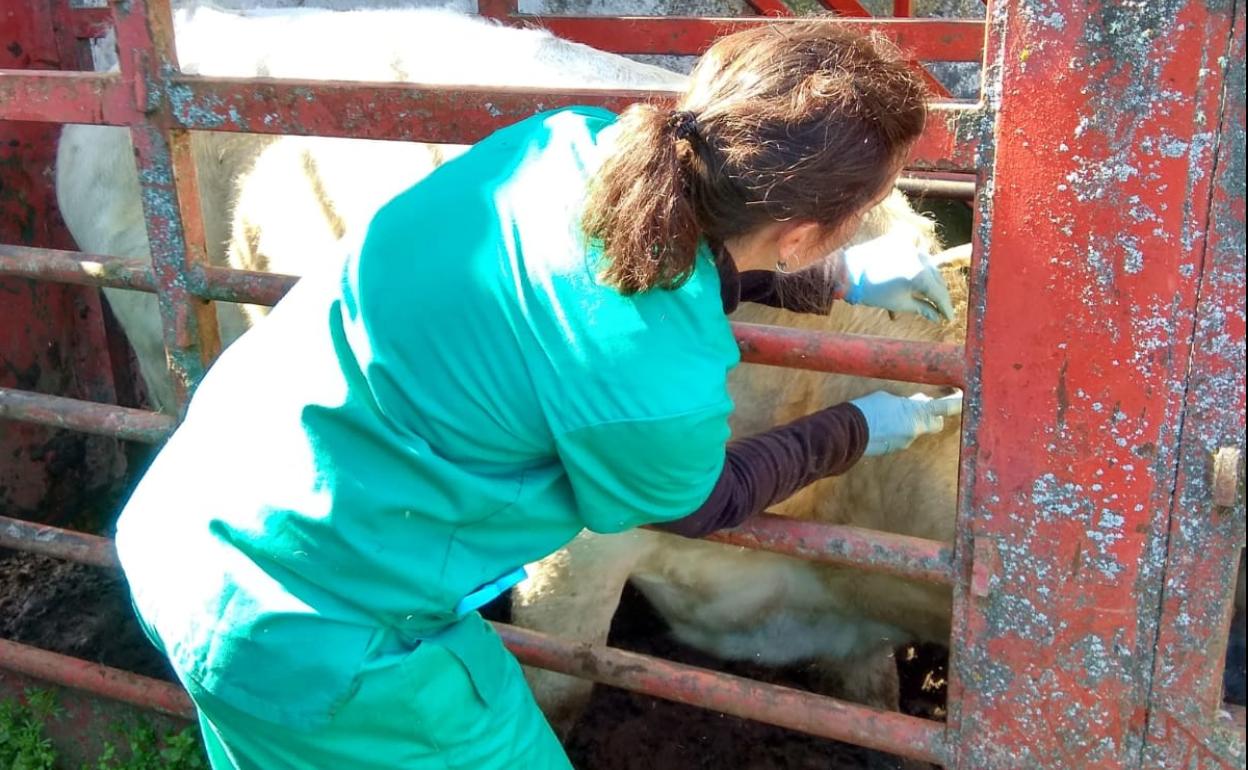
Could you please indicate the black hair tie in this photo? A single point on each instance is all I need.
(683, 124)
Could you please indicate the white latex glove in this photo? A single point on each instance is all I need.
(890, 273)
(894, 422)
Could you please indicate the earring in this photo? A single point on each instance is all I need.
(782, 266)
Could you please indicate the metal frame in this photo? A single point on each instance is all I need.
(1104, 365)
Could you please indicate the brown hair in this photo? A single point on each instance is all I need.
(792, 121)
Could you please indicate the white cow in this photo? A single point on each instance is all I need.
(281, 204)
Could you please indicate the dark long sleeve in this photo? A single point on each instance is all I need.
(812, 290)
(765, 469)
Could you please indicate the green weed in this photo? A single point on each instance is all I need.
(24, 744)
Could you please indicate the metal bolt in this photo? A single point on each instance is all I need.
(1225, 476)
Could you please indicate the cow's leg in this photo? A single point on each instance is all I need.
(573, 594)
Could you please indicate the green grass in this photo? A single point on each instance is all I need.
(24, 744)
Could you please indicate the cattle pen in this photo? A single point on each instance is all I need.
(1100, 520)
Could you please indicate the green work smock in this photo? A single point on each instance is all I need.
(457, 395)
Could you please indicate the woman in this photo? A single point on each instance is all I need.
(530, 341)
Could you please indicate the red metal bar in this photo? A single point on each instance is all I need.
(64, 97)
(86, 416)
(456, 114)
(76, 267)
(855, 354)
(434, 113)
(846, 8)
(1206, 529)
(58, 543)
(921, 39)
(864, 356)
(108, 682)
(170, 193)
(1084, 292)
(903, 8)
(774, 8)
(215, 283)
(883, 552)
(250, 286)
(783, 706)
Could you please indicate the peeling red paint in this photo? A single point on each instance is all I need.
(1086, 284)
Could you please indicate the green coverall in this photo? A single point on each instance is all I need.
(458, 396)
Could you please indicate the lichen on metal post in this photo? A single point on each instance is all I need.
(1206, 529)
(169, 189)
(1084, 305)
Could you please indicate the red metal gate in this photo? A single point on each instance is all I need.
(1101, 513)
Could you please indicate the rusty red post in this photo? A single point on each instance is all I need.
(1091, 226)
(169, 189)
(1206, 529)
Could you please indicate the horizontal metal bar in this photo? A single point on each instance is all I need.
(957, 189)
(58, 543)
(741, 697)
(217, 283)
(250, 286)
(76, 267)
(882, 552)
(921, 39)
(854, 354)
(86, 416)
(142, 691)
(408, 111)
(403, 111)
(457, 114)
(782, 706)
(65, 97)
(925, 39)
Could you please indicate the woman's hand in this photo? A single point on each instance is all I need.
(894, 422)
(890, 273)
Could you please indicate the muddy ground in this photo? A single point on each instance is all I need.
(84, 611)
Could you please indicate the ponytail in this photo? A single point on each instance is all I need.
(639, 208)
(803, 121)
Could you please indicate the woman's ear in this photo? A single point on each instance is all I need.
(797, 243)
